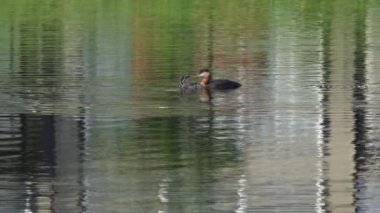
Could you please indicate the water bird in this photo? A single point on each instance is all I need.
(185, 83)
(187, 86)
(219, 84)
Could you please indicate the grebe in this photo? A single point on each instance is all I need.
(186, 84)
(219, 84)
(188, 87)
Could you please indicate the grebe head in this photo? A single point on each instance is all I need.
(204, 73)
(184, 80)
(206, 76)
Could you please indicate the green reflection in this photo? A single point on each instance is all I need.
(95, 54)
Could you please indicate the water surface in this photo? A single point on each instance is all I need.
(92, 119)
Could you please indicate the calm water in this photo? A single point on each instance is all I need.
(92, 120)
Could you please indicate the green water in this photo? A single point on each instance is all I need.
(92, 118)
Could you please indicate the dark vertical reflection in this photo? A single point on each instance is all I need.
(38, 159)
(361, 156)
(11, 174)
(41, 163)
(12, 38)
(210, 43)
(326, 82)
(326, 68)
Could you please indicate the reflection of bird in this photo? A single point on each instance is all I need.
(219, 84)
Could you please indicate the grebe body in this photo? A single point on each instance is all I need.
(219, 84)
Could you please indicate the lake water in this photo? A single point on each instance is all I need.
(92, 118)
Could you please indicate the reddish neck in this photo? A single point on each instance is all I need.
(205, 80)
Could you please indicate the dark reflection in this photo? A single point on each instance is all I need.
(210, 37)
(325, 101)
(326, 68)
(12, 38)
(41, 163)
(203, 94)
(38, 161)
(363, 156)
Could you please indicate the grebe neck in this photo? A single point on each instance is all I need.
(205, 80)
